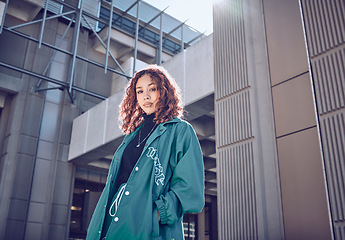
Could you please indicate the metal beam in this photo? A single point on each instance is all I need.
(52, 88)
(160, 47)
(66, 52)
(43, 23)
(111, 55)
(126, 11)
(136, 39)
(75, 41)
(84, 13)
(200, 35)
(52, 80)
(131, 6)
(40, 20)
(108, 38)
(182, 38)
(54, 53)
(154, 18)
(180, 25)
(3, 17)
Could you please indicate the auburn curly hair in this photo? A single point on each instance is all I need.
(169, 104)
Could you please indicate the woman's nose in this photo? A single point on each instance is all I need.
(147, 96)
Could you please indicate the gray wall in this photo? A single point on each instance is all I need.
(36, 184)
(278, 123)
(249, 204)
(325, 34)
(304, 197)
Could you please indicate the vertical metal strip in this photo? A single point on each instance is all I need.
(75, 47)
(109, 33)
(136, 39)
(43, 23)
(3, 17)
(160, 39)
(182, 40)
(54, 53)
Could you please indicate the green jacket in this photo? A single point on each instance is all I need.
(168, 177)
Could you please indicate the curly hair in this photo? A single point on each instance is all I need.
(169, 104)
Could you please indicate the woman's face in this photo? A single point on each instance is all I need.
(147, 94)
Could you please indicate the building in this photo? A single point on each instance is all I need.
(59, 60)
(279, 110)
(265, 94)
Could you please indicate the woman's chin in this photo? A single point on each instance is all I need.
(149, 111)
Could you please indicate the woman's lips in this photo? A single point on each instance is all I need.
(147, 104)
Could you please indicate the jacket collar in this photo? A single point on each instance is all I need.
(156, 133)
(160, 130)
(175, 119)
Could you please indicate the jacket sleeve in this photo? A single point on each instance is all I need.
(186, 193)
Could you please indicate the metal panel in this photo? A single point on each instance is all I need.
(235, 161)
(333, 135)
(92, 7)
(329, 78)
(89, 6)
(234, 119)
(230, 51)
(340, 232)
(237, 203)
(325, 34)
(325, 25)
(54, 7)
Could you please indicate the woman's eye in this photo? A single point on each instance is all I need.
(153, 89)
(139, 92)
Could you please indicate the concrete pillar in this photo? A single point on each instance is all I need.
(249, 204)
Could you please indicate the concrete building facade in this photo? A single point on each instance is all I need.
(279, 93)
(265, 94)
(58, 61)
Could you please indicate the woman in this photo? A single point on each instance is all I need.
(156, 174)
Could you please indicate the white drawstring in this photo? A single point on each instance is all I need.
(117, 201)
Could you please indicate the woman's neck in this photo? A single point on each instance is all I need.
(149, 118)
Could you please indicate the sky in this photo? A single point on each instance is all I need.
(198, 13)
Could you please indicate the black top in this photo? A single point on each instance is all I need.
(132, 153)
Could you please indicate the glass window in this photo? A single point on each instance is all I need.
(85, 197)
(145, 34)
(189, 226)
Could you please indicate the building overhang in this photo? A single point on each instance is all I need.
(25, 10)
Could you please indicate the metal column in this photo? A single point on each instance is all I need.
(109, 33)
(160, 47)
(71, 70)
(136, 39)
(3, 17)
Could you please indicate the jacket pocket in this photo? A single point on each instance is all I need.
(155, 223)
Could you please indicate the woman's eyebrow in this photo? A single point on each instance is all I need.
(148, 85)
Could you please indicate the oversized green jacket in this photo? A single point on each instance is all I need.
(168, 177)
